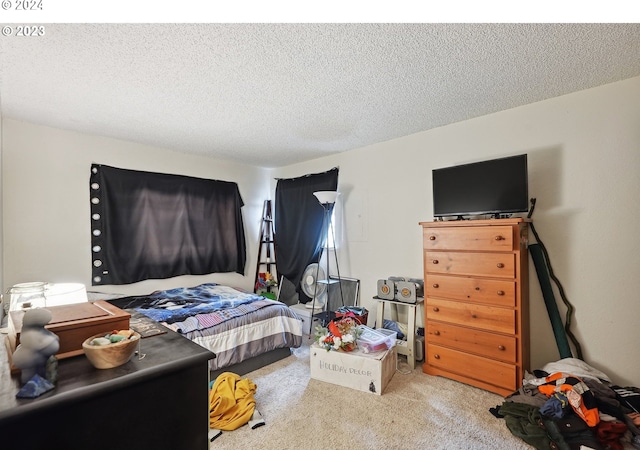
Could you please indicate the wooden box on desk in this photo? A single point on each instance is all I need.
(73, 324)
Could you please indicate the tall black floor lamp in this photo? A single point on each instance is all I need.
(327, 199)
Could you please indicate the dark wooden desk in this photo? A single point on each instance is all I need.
(158, 402)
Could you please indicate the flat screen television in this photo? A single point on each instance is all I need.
(497, 187)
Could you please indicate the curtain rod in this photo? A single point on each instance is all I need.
(309, 174)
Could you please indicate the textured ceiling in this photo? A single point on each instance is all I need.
(277, 94)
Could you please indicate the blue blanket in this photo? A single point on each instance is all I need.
(176, 305)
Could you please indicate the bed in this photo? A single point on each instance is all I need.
(237, 326)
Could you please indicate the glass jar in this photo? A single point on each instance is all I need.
(25, 296)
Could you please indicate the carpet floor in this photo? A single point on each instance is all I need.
(415, 411)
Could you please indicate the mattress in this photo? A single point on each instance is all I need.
(234, 325)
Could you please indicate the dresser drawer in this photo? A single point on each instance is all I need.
(497, 265)
(491, 238)
(495, 372)
(495, 292)
(483, 343)
(490, 318)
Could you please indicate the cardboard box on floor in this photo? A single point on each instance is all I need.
(368, 372)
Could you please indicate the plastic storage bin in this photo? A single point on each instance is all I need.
(375, 340)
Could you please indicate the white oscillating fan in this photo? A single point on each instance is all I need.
(311, 287)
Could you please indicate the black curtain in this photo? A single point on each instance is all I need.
(148, 225)
(298, 222)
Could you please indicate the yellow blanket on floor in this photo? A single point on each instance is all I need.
(231, 402)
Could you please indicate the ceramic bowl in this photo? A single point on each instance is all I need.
(111, 355)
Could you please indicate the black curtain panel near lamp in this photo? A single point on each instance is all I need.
(298, 222)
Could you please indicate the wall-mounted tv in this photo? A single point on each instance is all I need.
(497, 187)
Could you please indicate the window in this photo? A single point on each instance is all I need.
(148, 225)
(298, 222)
(331, 240)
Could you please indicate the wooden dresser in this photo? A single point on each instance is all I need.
(476, 302)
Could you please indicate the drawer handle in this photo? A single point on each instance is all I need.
(436, 285)
(477, 288)
(436, 309)
(474, 316)
(435, 261)
(436, 356)
(500, 265)
(436, 333)
(432, 238)
(501, 347)
(500, 292)
(499, 238)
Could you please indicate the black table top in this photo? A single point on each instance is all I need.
(78, 379)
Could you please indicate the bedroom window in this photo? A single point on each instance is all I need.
(330, 241)
(148, 225)
(298, 222)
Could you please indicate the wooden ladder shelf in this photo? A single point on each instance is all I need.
(266, 248)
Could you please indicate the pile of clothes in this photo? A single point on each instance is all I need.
(232, 404)
(569, 405)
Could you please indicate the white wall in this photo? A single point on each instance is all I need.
(584, 162)
(1, 229)
(584, 170)
(45, 204)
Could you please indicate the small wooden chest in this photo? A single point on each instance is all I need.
(73, 324)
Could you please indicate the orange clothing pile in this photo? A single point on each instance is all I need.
(580, 397)
(231, 402)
